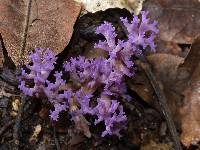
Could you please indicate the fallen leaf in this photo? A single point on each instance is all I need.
(190, 111)
(181, 82)
(97, 5)
(178, 19)
(189, 74)
(26, 24)
(164, 67)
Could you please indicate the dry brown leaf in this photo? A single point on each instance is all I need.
(190, 112)
(164, 67)
(189, 74)
(98, 5)
(181, 77)
(177, 77)
(26, 24)
(178, 19)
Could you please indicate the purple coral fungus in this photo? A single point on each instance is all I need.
(89, 75)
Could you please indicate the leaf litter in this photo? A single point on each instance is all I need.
(178, 73)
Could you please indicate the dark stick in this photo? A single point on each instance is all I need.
(6, 126)
(163, 103)
(18, 120)
(56, 139)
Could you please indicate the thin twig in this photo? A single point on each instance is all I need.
(163, 103)
(18, 120)
(6, 126)
(56, 139)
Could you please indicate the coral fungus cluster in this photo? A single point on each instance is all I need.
(87, 75)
